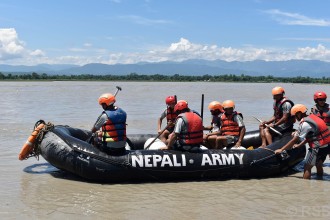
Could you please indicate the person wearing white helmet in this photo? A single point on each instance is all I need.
(311, 130)
(112, 137)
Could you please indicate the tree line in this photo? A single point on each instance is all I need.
(166, 78)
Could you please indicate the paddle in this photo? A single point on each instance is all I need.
(273, 129)
(202, 106)
(162, 131)
(284, 156)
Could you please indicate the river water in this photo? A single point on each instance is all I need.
(33, 189)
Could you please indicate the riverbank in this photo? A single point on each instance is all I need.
(163, 78)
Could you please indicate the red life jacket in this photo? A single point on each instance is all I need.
(278, 110)
(192, 129)
(228, 125)
(170, 115)
(321, 134)
(324, 115)
(114, 129)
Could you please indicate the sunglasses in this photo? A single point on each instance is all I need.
(321, 100)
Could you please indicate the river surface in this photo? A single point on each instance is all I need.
(33, 189)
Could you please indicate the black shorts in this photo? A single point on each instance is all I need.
(113, 151)
(170, 129)
(189, 148)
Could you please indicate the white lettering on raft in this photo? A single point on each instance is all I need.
(181, 161)
(158, 161)
(221, 159)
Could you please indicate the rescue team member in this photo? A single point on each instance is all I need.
(314, 131)
(232, 127)
(188, 130)
(281, 120)
(321, 108)
(170, 116)
(112, 137)
(216, 109)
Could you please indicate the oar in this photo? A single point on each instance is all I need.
(202, 106)
(273, 129)
(262, 159)
(284, 156)
(157, 137)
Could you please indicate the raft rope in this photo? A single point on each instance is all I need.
(36, 148)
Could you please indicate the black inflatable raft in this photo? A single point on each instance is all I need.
(65, 148)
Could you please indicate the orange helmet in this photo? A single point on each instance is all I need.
(181, 105)
(278, 90)
(107, 98)
(228, 104)
(319, 95)
(298, 108)
(215, 105)
(170, 100)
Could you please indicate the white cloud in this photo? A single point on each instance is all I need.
(10, 46)
(13, 51)
(13, 48)
(288, 18)
(143, 21)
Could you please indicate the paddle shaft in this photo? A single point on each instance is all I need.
(202, 106)
(157, 137)
(268, 126)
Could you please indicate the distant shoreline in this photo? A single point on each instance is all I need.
(163, 78)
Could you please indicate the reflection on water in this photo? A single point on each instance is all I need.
(33, 189)
(40, 168)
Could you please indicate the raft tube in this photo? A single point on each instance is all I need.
(65, 148)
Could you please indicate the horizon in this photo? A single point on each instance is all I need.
(135, 31)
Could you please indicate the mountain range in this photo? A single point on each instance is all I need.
(291, 68)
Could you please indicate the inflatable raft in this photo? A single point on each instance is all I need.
(65, 148)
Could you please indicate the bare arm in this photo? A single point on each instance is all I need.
(241, 136)
(290, 144)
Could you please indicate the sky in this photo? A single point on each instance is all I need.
(131, 31)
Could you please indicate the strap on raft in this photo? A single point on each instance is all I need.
(31, 146)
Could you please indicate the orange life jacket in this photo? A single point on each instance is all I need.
(278, 110)
(321, 134)
(324, 115)
(192, 130)
(114, 128)
(171, 115)
(228, 125)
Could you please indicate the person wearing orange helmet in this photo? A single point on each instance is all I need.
(321, 108)
(281, 119)
(188, 130)
(216, 109)
(170, 116)
(112, 122)
(232, 127)
(311, 130)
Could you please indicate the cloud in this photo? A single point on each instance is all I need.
(288, 18)
(13, 48)
(13, 51)
(143, 21)
(10, 46)
(184, 50)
